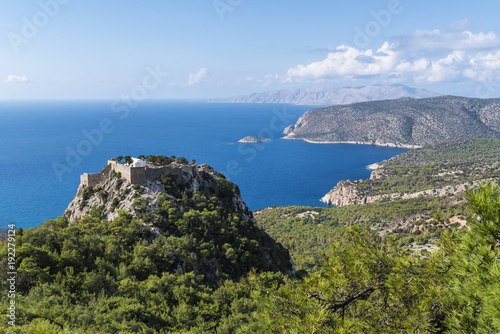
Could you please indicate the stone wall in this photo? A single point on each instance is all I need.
(134, 175)
(96, 179)
(138, 175)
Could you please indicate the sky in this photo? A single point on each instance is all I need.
(199, 49)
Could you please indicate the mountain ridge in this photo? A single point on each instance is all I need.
(326, 95)
(404, 122)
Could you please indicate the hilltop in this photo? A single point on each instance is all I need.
(403, 122)
(140, 190)
(325, 95)
(174, 198)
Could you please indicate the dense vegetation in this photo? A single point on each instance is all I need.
(306, 232)
(471, 151)
(365, 286)
(98, 277)
(107, 277)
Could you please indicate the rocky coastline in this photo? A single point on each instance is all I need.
(376, 143)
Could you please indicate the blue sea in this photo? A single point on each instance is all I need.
(46, 146)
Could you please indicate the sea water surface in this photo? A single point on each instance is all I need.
(47, 145)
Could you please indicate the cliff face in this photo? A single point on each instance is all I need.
(403, 122)
(116, 193)
(448, 169)
(344, 193)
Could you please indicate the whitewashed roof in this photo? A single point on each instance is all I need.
(138, 163)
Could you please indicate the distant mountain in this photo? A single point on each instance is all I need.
(402, 122)
(330, 95)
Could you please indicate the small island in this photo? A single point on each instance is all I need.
(253, 139)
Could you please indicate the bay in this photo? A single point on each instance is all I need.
(46, 146)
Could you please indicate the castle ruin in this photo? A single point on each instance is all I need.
(134, 175)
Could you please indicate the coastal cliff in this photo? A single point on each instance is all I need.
(344, 193)
(116, 192)
(404, 122)
(448, 169)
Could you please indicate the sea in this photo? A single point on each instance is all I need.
(46, 146)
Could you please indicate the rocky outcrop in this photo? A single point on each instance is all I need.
(203, 223)
(404, 122)
(253, 139)
(116, 193)
(346, 193)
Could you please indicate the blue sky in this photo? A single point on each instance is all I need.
(74, 49)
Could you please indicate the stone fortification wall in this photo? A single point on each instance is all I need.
(134, 175)
(95, 179)
(138, 175)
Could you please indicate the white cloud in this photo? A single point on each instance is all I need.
(349, 61)
(436, 40)
(448, 68)
(490, 61)
(484, 67)
(196, 78)
(423, 56)
(388, 63)
(16, 78)
(412, 66)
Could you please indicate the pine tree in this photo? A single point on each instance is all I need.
(476, 283)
